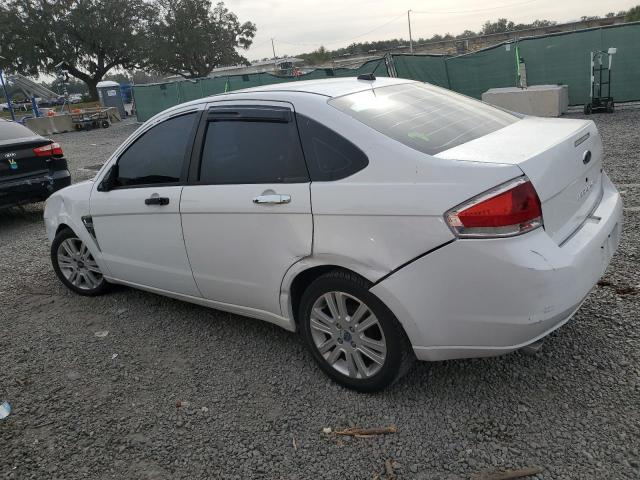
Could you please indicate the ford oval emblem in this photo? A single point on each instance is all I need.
(586, 158)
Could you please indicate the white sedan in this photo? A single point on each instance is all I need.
(383, 219)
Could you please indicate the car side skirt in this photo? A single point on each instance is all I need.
(282, 322)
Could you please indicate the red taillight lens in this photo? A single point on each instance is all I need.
(510, 209)
(51, 150)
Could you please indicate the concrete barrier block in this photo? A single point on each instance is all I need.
(538, 100)
(49, 125)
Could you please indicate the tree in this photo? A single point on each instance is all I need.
(319, 56)
(633, 14)
(86, 37)
(192, 37)
(501, 26)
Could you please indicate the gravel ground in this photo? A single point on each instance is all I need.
(133, 385)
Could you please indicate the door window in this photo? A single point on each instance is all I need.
(239, 151)
(157, 156)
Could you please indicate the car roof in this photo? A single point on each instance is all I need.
(329, 87)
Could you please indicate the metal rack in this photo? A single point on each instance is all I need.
(600, 98)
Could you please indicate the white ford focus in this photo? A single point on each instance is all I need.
(385, 220)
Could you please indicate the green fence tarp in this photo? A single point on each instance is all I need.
(477, 72)
(562, 58)
(625, 74)
(426, 68)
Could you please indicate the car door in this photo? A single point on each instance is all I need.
(246, 214)
(136, 208)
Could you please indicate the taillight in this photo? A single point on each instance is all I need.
(510, 209)
(51, 150)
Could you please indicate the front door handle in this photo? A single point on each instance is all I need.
(156, 201)
(272, 199)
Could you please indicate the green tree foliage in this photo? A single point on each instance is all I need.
(86, 37)
(633, 14)
(91, 38)
(317, 57)
(192, 37)
(502, 25)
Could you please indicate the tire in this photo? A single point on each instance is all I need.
(105, 124)
(610, 106)
(75, 266)
(367, 360)
(587, 109)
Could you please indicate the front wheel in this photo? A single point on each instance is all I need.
(75, 266)
(352, 335)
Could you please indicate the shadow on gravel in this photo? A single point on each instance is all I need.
(13, 218)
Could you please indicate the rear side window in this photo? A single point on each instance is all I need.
(157, 156)
(427, 118)
(252, 151)
(329, 155)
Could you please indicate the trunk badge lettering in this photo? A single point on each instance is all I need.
(581, 139)
(587, 188)
(586, 157)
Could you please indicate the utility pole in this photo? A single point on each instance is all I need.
(275, 63)
(410, 39)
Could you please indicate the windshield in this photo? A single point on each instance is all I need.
(427, 118)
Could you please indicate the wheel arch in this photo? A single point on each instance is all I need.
(304, 272)
(63, 226)
(302, 281)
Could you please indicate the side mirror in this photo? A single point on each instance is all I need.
(110, 180)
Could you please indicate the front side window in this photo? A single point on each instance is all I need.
(426, 118)
(252, 151)
(157, 156)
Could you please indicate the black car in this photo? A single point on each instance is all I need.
(31, 167)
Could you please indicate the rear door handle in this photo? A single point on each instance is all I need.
(272, 199)
(156, 201)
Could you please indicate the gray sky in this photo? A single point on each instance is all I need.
(303, 25)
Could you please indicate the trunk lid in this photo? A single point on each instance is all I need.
(561, 157)
(17, 158)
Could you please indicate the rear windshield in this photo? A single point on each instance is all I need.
(11, 130)
(427, 118)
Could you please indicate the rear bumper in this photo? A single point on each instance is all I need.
(477, 298)
(33, 188)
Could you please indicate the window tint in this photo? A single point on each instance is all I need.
(427, 118)
(329, 156)
(158, 155)
(239, 151)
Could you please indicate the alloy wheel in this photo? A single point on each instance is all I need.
(78, 265)
(348, 335)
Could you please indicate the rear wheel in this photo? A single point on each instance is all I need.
(610, 106)
(75, 266)
(353, 336)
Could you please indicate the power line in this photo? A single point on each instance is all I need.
(343, 40)
(477, 10)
